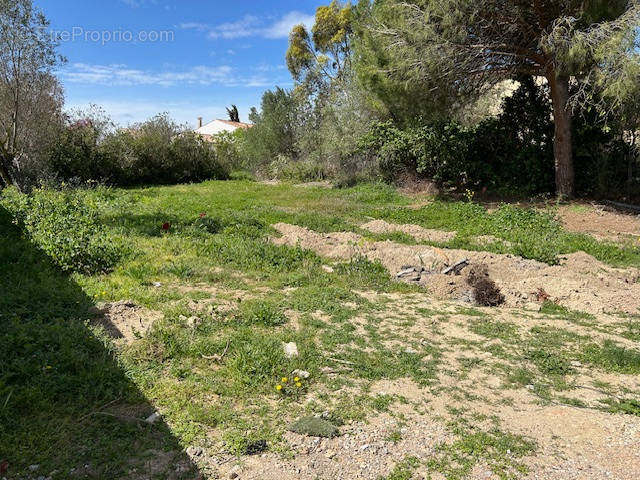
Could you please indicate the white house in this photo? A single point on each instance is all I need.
(218, 126)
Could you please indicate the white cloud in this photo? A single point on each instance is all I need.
(125, 76)
(282, 27)
(245, 27)
(122, 75)
(252, 26)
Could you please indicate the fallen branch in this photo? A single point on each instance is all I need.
(337, 360)
(218, 358)
(623, 206)
(456, 268)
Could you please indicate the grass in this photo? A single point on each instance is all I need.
(71, 396)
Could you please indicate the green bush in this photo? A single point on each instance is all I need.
(314, 427)
(64, 225)
(157, 151)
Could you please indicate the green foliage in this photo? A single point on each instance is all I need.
(260, 312)
(313, 426)
(629, 406)
(66, 227)
(273, 131)
(155, 151)
(612, 357)
(325, 54)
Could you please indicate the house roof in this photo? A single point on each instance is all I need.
(219, 125)
(235, 124)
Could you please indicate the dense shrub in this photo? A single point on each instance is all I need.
(64, 226)
(157, 151)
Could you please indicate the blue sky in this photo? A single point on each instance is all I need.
(190, 58)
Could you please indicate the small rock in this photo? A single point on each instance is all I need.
(291, 349)
(364, 447)
(530, 387)
(300, 373)
(576, 363)
(34, 467)
(327, 370)
(194, 451)
(193, 322)
(410, 350)
(153, 418)
(157, 284)
(327, 268)
(233, 474)
(330, 454)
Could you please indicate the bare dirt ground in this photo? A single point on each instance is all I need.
(473, 385)
(600, 223)
(580, 282)
(476, 394)
(124, 320)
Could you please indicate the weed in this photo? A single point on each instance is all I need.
(612, 358)
(314, 427)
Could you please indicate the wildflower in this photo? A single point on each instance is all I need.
(297, 379)
(203, 214)
(298, 384)
(166, 226)
(278, 387)
(104, 293)
(284, 380)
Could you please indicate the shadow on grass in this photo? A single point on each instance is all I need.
(65, 402)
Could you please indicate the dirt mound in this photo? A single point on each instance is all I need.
(581, 282)
(416, 231)
(125, 320)
(600, 223)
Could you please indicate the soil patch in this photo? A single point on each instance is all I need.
(416, 231)
(599, 223)
(124, 320)
(580, 282)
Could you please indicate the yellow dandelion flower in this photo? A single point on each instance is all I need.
(104, 293)
(284, 380)
(297, 379)
(298, 384)
(278, 387)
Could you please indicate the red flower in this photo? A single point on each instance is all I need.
(203, 214)
(166, 226)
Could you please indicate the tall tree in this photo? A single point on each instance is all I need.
(233, 113)
(27, 57)
(325, 54)
(472, 44)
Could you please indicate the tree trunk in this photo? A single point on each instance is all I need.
(5, 177)
(562, 143)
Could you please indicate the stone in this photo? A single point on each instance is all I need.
(327, 268)
(300, 373)
(193, 451)
(291, 349)
(194, 321)
(576, 363)
(34, 467)
(153, 418)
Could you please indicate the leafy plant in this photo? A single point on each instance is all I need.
(314, 427)
(65, 226)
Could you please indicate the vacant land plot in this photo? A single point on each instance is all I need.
(240, 308)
